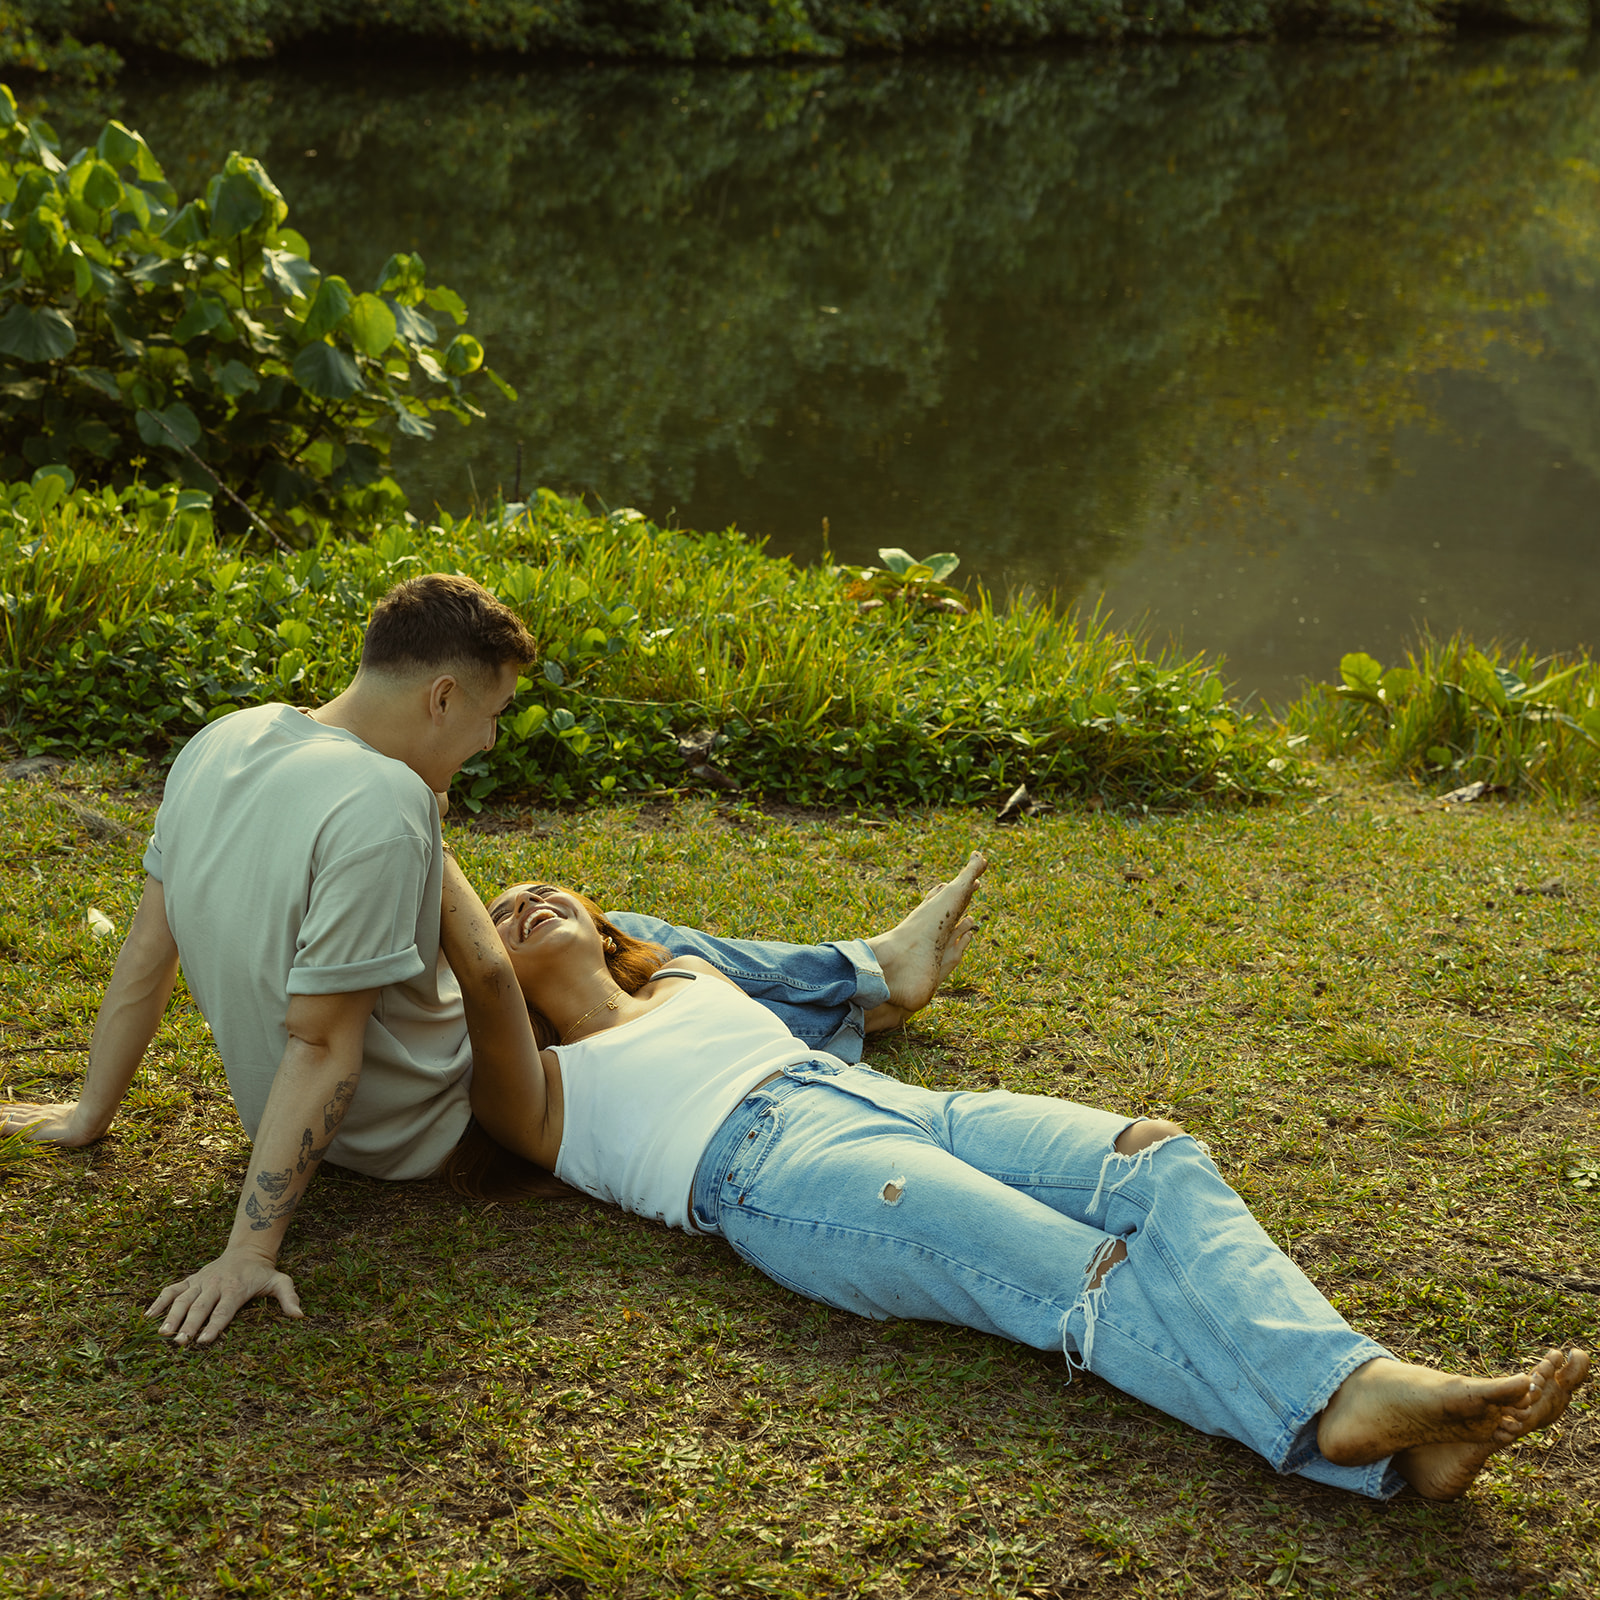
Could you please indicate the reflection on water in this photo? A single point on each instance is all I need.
(1470, 521)
(1227, 336)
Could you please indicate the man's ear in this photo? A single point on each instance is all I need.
(441, 693)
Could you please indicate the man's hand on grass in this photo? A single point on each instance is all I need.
(200, 1306)
(49, 1122)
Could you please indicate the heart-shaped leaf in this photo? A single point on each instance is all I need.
(170, 427)
(30, 335)
(327, 373)
(372, 325)
(328, 310)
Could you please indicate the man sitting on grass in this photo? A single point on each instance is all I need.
(295, 872)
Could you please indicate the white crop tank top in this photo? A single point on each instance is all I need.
(642, 1100)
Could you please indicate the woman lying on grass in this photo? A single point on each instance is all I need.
(665, 1090)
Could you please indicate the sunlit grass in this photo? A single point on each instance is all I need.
(507, 1401)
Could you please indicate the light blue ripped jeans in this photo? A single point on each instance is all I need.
(993, 1210)
(821, 991)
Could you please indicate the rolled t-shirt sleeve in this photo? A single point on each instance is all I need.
(360, 929)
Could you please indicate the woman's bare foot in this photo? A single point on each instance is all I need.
(1446, 1471)
(919, 954)
(1439, 1428)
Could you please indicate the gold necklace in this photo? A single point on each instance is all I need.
(608, 1005)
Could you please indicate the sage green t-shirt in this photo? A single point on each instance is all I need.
(295, 859)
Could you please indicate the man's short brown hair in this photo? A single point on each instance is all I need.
(444, 620)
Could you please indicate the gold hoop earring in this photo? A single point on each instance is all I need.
(610, 946)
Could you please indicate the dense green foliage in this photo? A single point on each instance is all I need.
(663, 652)
(135, 330)
(224, 30)
(1455, 715)
(1077, 301)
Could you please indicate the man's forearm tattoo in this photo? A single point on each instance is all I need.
(333, 1112)
(272, 1184)
(268, 1216)
(309, 1156)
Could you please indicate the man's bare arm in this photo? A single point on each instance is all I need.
(135, 1001)
(313, 1087)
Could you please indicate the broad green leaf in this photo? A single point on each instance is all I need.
(372, 325)
(187, 226)
(463, 355)
(117, 144)
(527, 721)
(896, 560)
(327, 373)
(204, 312)
(448, 301)
(42, 335)
(411, 325)
(1397, 683)
(236, 205)
(136, 203)
(8, 108)
(241, 196)
(95, 437)
(234, 378)
(102, 189)
(129, 334)
(1510, 684)
(411, 425)
(403, 276)
(169, 428)
(292, 276)
(328, 310)
(1541, 689)
(49, 485)
(942, 565)
(122, 147)
(1439, 755)
(1361, 672)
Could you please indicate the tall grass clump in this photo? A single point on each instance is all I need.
(1457, 714)
(95, 564)
(668, 658)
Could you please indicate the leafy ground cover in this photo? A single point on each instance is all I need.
(668, 657)
(1454, 714)
(1380, 1011)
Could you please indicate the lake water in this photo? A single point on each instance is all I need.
(1284, 350)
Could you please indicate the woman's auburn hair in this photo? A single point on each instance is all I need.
(480, 1169)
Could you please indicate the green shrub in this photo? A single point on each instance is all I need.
(1455, 714)
(663, 651)
(197, 338)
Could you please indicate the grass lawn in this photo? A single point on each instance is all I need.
(1381, 1013)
